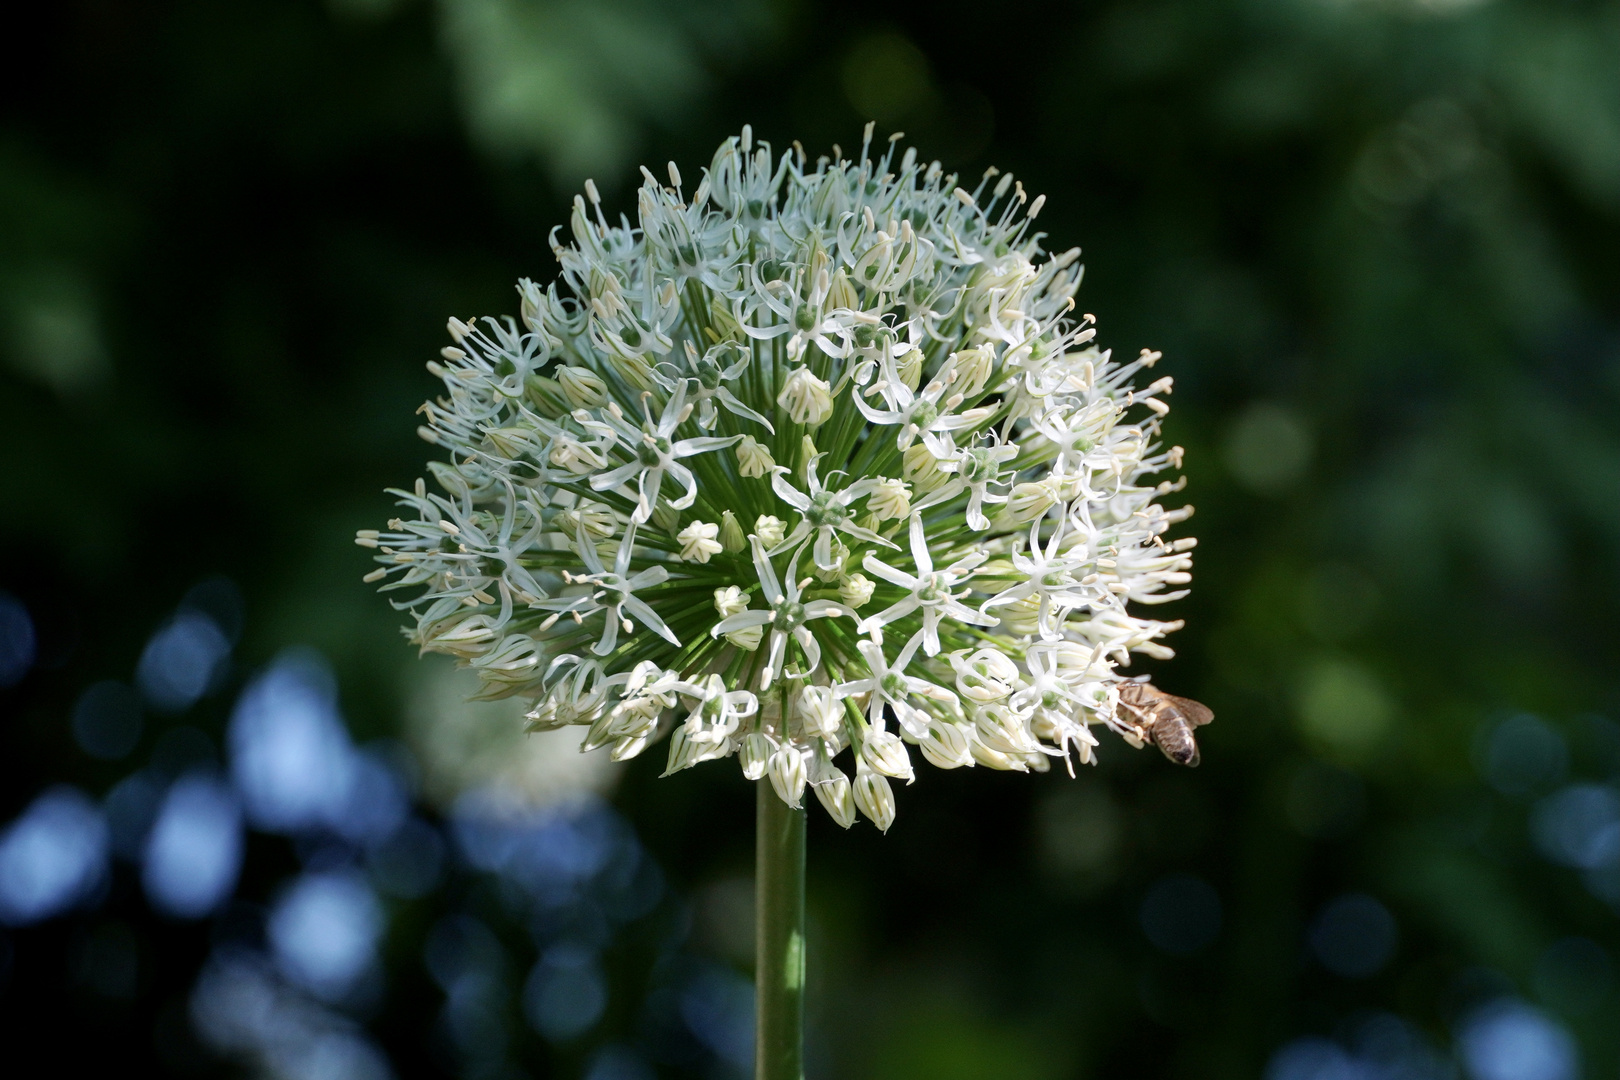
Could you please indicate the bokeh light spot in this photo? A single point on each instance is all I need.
(1509, 1040)
(1522, 755)
(181, 661)
(1343, 707)
(565, 993)
(17, 641)
(1354, 936)
(1313, 1058)
(1389, 1048)
(1080, 831)
(717, 1006)
(323, 932)
(293, 761)
(1268, 449)
(242, 1009)
(1377, 1046)
(886, 78)
(194, 851)
(52, 857)
(107, 721)
(1579, 826)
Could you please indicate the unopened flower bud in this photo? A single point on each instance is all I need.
(988, 675)
(732, 539)
(820, 711)
(945, 746)
(1003, 730)
(807, 399)
(516, 660)
(512, 442)
(754, 753)
(922, 468)
(469, 638)
(635, 371)
(597, 521)
(666, 517)
(599, 734)
(856, 590)
(748, 638)
(1021, 617)
(770, 530)
(545, 716)
(874, 797)
(884, 751)
(575, 456)
(628, 747)
(1067, 488)
(450, 478)
(1029, 501)
(699, 541)
(995, 759)
(890, 500)
(807, 454)
(910, 367)
(971, 368)
(841, 294)
(680, 752)
(583, 387)
(835, 796)
(544, 393)
(753, 458)
(530, 304)
(730, 601)
(788, 775)
(1076, 658)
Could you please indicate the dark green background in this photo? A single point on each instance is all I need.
(1378, 242)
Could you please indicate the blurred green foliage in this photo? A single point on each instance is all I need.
(1377, 240)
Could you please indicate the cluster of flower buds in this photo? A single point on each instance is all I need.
(805, 459)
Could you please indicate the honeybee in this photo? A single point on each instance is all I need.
(1165, 719)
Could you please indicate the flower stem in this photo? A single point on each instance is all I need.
(779, 938)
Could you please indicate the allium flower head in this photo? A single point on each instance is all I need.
(811, 464)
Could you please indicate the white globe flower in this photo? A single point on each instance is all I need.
(796, 390)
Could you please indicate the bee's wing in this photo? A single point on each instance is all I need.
(1197, 713)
